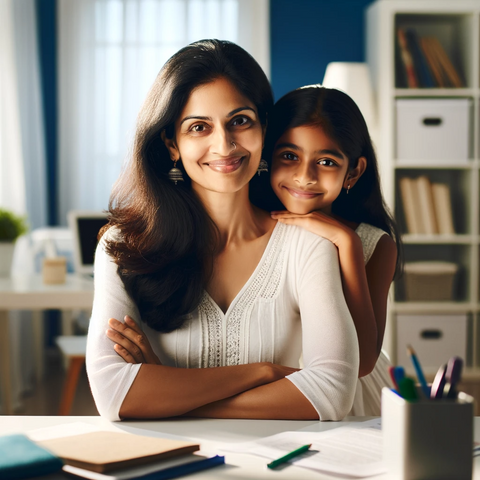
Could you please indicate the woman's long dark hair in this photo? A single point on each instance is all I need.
(168, 241)
(341, 119)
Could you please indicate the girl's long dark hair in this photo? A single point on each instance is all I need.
(342, 120)
(168, 241)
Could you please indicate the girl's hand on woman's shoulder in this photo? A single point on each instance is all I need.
(131, 343)
(318, 223)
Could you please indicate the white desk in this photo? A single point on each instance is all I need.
(211, 434)
(30, 293)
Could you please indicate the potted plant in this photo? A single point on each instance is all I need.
(11, 227)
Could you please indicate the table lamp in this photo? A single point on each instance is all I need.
(353, 78)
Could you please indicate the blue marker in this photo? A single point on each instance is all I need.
(398, 374)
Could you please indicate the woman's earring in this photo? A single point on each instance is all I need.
(348, 188)
(175, 174)
(262, 166)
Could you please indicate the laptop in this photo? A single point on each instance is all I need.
(85, 225)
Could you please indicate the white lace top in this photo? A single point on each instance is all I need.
(292, 302)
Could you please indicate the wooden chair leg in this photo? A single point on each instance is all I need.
(71, 380)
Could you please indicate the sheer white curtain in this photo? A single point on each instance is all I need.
(109, 54)
(22, 158)
(12, 183)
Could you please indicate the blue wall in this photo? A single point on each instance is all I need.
(306, 35)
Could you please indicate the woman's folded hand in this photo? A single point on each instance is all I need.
(131, 343)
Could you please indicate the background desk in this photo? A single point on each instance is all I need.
(211, 434)
(30, 293)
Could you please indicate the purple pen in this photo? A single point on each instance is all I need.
(438, 383)
(452, 377)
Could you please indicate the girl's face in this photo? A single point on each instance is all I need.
(218, 137)
(308, 170)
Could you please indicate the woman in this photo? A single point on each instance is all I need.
(227, 297)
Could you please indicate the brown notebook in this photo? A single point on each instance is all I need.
(105, 451)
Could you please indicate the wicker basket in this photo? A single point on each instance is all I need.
(430, 281)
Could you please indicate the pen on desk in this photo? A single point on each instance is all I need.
(418, 371)
(438, 383)
(398, 374)
(289, 456)
(453, 374)
(391, 372)
(407, 389)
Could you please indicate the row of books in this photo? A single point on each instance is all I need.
(425, 62)
(427, 206)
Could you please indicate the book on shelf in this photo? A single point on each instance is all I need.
(425, 61)
(427, 206)
(408, 192)
(407, 59)
(443, 208)
(446, 64)
(434, 63)
(420, 64)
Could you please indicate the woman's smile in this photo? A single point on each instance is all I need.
(226, 165)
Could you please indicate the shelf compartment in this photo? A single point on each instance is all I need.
(438, 239)
(451, 164)
(459, 184)
(459, 254)
(435, 92)
(454, 31)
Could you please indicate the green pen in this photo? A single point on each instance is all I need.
(407, 389)
(289, 456)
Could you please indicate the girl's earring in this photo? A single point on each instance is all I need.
(262, 167)
(175, 174)
(348, 188)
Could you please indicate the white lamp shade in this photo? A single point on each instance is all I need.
(353, 78)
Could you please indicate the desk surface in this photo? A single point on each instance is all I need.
(29, 292)
(212, 433)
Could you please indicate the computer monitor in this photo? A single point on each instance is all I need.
(85, 225)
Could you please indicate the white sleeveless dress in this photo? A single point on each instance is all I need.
(367, 401)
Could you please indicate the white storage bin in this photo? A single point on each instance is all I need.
(435, 338)
(433, 129)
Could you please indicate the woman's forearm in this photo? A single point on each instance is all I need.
(277, 400)
(159, 391)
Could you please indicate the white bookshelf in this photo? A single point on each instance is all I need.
(457, 25)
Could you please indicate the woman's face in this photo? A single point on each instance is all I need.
(308, 170)
(218, 137)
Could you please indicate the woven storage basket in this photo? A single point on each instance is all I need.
(430, 281)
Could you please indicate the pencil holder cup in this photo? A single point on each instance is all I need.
(427, 439)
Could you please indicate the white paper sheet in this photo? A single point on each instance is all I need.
(355, 450)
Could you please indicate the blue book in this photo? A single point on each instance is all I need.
(22, 458)
(422, 68)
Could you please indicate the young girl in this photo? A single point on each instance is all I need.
(324, 172)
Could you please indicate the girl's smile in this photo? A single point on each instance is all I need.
(302, 194)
